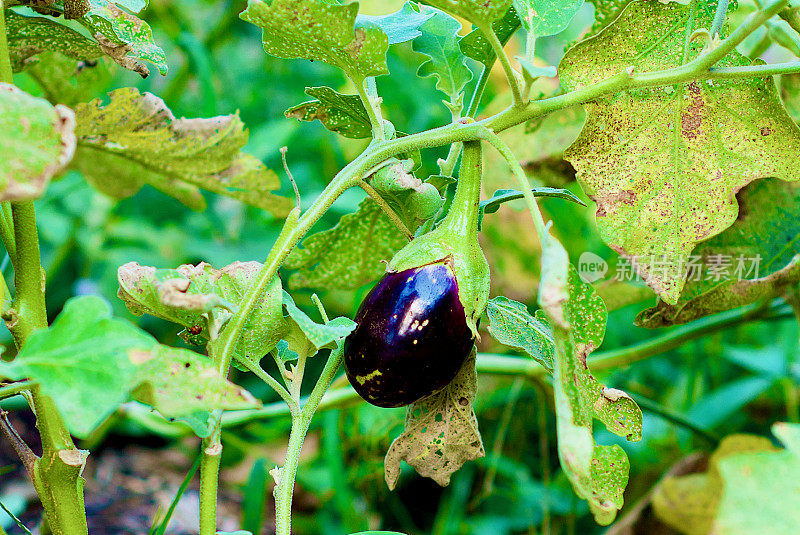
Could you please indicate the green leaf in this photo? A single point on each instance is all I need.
(478, 12)
(790, 95)
(400, 26)
(189, 294)
(761, 488)
(135, 140)
(440, 43)
(321, 30)
(512, 325)
(546, 17)
(691, 502)
(349, 255)
(124, 36)
(598, 474)
(500, 196)
(755, 259)
(343, 114)
(83, 362)
(663, 164)
(178, 382)
(476, 46)
(36, 142)
(30, 36)
(441, 432)
(307, 337)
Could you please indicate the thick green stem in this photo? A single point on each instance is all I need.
(368, 92)
(719, 18)
(284, 489)
(209, 476)
(462, 218)
(28, 275)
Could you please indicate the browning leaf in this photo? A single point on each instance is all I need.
(37, 141)
(441, 432)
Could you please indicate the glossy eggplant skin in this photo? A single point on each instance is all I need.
(412, 337)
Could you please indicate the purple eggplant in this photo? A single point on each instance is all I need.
(412, 337)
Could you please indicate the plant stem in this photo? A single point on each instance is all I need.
(719, 18)
(6, 74)
(259, 372)
(15, 388)
(209, 476)
(391, 214)
(7, 231)
(732, 73)
(522, 178)
(368, 93)
(300, 423)
(28, 275)
(497, 46)
(477, 94)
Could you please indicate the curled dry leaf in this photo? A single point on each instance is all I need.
(37, 141)
(135, 140)
(441, 432)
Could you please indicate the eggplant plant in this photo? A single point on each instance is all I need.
(680, 116)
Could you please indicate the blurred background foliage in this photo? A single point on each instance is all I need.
(217, 66)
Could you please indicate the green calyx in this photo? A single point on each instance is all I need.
(455, 241)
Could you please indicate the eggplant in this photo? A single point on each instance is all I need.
(412, 337)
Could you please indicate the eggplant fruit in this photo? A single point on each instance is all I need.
(412, 337)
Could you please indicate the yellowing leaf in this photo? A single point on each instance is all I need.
(664, 164)
(135, 140)
(441, 431)
(36, 142)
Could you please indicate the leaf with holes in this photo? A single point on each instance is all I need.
(440, 43)
(441, 432)
(577, 317)
(754, 260)
(179, 383)
(37, 141)
(663, 164)
(546, 17)
(324, 31)
(349, 255)
(343, 114)
(478, 12)
(135, 140)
